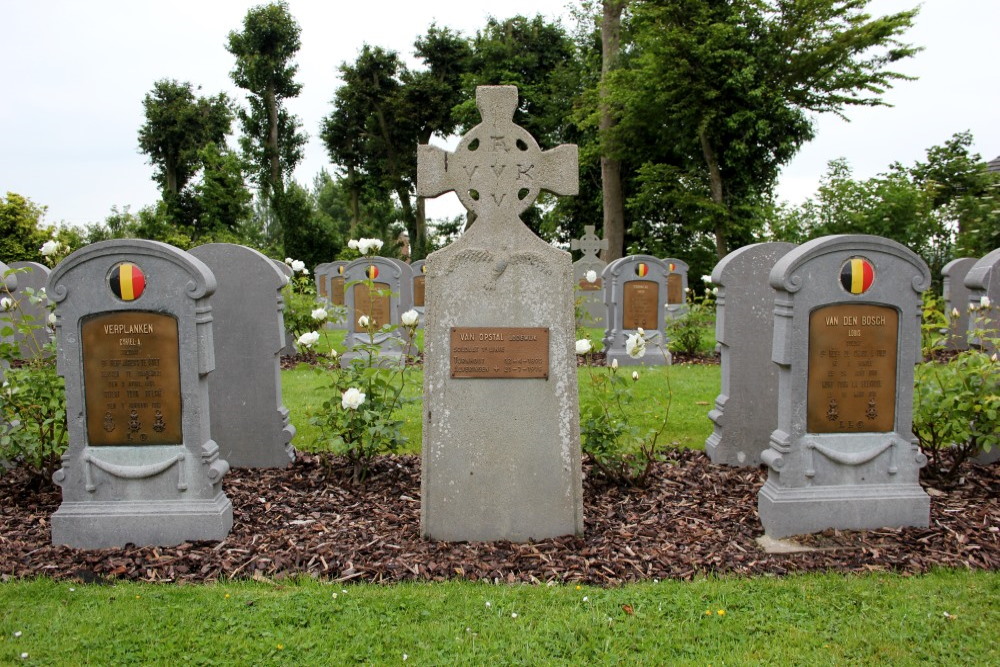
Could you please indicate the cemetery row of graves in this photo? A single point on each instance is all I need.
(173, 401)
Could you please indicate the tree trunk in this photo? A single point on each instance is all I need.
(272, 139)
(355, 202)
(611, 168)
(715, 185)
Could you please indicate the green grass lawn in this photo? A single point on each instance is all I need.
(945, 617)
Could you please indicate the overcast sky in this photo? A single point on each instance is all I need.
(74, 73)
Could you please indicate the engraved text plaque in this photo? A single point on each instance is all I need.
(419, 289)
(131, 378)
(852, 369)
(640, 304)
(374, 305)
(337, 290)
(500, 352)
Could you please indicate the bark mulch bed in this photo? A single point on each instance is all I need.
(696, 518)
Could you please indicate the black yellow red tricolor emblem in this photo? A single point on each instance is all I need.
(857, 275)
(340, 269)
(372, 272)
(127, 281)
(641, 269)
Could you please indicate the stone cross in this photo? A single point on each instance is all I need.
(501, 439)
(589, 243)
(498, 168)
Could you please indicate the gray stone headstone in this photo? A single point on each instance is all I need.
(746, 409)
(8, 289)
(32, 278)
(635, 296)
(134, 344)
(846, 339)
(590, 295)
(983, 281)
(321, 280)
(391, 295)
(956, 300)
(288, 349)
(501, 450)
(419, 289)
(249, 422)
(336, 290)
(677, 287)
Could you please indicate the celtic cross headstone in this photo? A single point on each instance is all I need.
(501, 450)
(591, 295)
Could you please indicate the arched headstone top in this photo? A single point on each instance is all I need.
(982, 272)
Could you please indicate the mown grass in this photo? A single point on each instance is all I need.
(946, 617)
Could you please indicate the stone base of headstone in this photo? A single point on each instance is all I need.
(785, 511)
(98, 525)
(986, 458)
(656, 352)
(390, 353)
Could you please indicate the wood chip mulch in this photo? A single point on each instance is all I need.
(696, 519)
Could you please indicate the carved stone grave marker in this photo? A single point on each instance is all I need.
(134, 337)
(389, 297)
(983, 283)
(501, 450)
(419, 289)
(635, 296)
(677, 287)
(846, 338)
(590, 294)
(956, 298)
(249, 422)
(32, 278)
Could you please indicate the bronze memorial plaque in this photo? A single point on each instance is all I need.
(852, 369)
(500, 352)
(374, 305)
(640, 304)
(131, 379)
(675, 289)
(587, 286)
(337, 290)
(419, 285)
(322, 287)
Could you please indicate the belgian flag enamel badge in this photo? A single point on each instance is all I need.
(372, 272)
(127, 281)
(642, 269)
(857, 275)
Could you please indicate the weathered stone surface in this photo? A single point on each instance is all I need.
(249, 422)
(677, 288)
(501, 457)
(983, 282)
(146, 494)
(34, 277)
(589, 295)
(746, 409)
(635, 296)
(828, 465)
(419, 289)
(7, 289)
(956, 298)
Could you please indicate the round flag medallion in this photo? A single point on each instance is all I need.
(127, 281)
(642, 269)
(857, 275)
(340, 269)
(372, 272)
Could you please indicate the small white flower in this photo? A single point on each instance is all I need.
(984, 301)
(488, 604)
(319, 314)
(635, 376)
(6, 303)
(49, 248)
(297, 265)
(17, 634)
(409, 318)
(352, 398)
(591, 276)
(52, 319)
(614, 363)
(994, 357)
(24, 656)
(955, 313)
(363, 322)
(583, 346)
(715, 291)
(369, 246)
(513, 614)
(635, 346)
(308, 339)
(334, 596)
(305, 271)
(586, 598)
(706, 279)
(405, 657)
(641, 331)
(288, 261)
(353, 244)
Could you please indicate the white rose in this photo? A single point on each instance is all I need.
(319, 314)
(641, 331)
(614, 363)
(298, 265)
(352, 398)
(49, 248)
(591, 276)
(353, 244)
(375, 244)
(984, 301)
(955, 313)
(582, 346)
(715, 291)
(305, 271)
(308, 339)
(52, 319)
(288, 260)
(635, 346)
(706, 279)
(635, 376)
(6, 303)
(409, 318)
(363, 322)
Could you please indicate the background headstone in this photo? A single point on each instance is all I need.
(589, 294)
(321, 279)
(7, 289)
(677, 287)
(249, 422)
(419, 289)
(635, 295)
(983, 280)
(746, 409)
(956, 298)
(288, 349)
(335, 280)
(134, 340)
(846, 339)
(33, 276)
(390, 297)
(501, 450)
